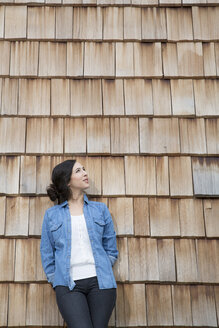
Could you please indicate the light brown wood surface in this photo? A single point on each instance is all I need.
(130, 90)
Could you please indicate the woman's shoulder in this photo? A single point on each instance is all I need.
(51, 210)
(98, 209)
(98, 205)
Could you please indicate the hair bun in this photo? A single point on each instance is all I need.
(52, 192)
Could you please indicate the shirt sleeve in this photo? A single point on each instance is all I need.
(109, 237)
(47, 250)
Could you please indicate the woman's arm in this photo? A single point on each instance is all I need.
(47, 250)
(109, 237)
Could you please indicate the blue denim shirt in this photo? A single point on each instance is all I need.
(55, 245)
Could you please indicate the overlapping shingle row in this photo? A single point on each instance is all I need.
(109, 23)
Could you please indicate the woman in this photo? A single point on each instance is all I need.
(78, 249)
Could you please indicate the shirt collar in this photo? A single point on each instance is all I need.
(66, 202)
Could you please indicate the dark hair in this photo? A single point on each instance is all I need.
(61, 175)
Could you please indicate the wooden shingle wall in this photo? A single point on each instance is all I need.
(131, 90)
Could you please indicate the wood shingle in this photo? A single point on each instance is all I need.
(98, 135)
(141, 216)
(2, 15)
(124, 59)
(211, 215)
(162, 179)
(161, 97)
(87, 23)
(28, 265)
(99, 59)
(64, 23)
(113, 27)
(138, 97)
(145, 165)
(9, 172)
(17, 304)
(86, 97)
(179, 24)
(9, 104)
(60, 97)
(12, 134)
(206, 96)
(186, 261)
(2, 214)
(212, 135)
(112, 176)
(132, 29)
(166, 260)
(121, 267)
(122, 211)
(15, 22)
(192, 136)
(134, 315)
(182, 97)
(159, 307)
(143, 259)
(180, 176)
(113, 97)
(5, 48)
(182, 311)
(34, 97)
(45, 131)
(191, 218)
(164, 217)
(125, 130)
(203, 306)
(52, 59)
(147, 59)
(154, 24)
(37, 208)
(75, 129)
(75, 59)
(17, 216)
(41, 23)
(7, 259)
(205, 179)
(159, 135)
(209, 59)
(4, 304)
(24, 58)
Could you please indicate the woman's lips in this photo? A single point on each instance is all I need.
(86, 180)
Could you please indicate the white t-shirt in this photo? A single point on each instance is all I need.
(82, 264)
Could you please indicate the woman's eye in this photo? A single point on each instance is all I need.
(78, 170)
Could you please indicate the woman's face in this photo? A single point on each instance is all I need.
(79, 177)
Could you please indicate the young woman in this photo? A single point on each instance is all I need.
(78, 249)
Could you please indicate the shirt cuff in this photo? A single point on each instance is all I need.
(112, 259)
(50, 277)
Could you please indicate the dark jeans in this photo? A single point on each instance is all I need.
(86, 306)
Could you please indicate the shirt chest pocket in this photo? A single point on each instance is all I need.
(56, 230)
(99, 225)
